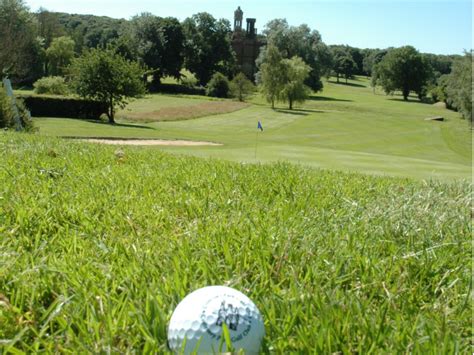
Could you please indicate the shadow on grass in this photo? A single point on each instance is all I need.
(348, 84)
(325, 98)
(298, 112)
(126, 125)
(413, 101)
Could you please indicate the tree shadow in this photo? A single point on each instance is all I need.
(412, 101)
(347, 84)
(325, 98)
(126, 125)
(298, 111)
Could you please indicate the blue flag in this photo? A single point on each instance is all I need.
(259, 126)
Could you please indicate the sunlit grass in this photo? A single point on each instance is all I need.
(98, 247)
(344, 127)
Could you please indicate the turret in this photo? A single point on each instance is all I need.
(238, 18)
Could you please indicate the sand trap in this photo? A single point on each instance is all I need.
(148, 142)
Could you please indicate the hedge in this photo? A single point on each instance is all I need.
(46, 106)
(177, 89)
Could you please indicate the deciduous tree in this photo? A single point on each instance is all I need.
(403, 69)
(271, 75)
(295, 73)
(208, 47)
(19, 48)
(60, 55)
(105, 76)
(241, 87)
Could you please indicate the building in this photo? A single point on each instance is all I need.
(246, 44)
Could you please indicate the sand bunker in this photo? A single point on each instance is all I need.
(149, 142)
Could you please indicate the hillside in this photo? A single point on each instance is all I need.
(345, 127)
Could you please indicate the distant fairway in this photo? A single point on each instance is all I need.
(345, 127)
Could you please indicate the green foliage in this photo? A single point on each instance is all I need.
(53, 85)
(283, 79)
(294, 89)
(100, 245)
(303, 42)
(7, 114)
(343, 62)
(271, 75)
(60, 55)
(208, 47)
(71, 107)
(49, 26)
(403, 69)
(459, 86)
(189, 80)
(159, 43)
(218, 86)
(371, 58)
(241, 87)
(105, 76)
(19, 48)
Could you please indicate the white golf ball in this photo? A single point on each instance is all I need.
(199, 317)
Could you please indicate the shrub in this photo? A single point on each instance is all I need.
(7, 115)
(218, 86)
(189, 80)
(241, 87)
(44, 106)
(53, 85)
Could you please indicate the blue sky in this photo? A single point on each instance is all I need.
(435, 26)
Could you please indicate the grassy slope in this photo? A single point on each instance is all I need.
(346, 127)
(96, 251)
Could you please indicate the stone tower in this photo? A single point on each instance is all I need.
(246, 44)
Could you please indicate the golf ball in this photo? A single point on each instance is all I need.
(198, 320)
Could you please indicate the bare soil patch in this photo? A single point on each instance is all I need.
(186, 112)
(148, 142)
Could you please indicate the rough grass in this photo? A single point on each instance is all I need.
(97, 248)
(185, 112)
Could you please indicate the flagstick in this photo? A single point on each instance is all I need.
(256, 144)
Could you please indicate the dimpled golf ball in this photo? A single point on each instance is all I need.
(198, 319)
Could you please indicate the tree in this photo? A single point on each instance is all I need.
(105, 76)
(459, 86)
(295, 73)
(303, 42)
(19, 48)
(271, 75)
(60, 55)
(218, 86)
(208, 46)
(343, 64)
(159, 43)
(403, 69)
(371, 58)
(49, 26)
(241, 87)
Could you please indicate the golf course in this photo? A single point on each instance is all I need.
(345, 127)
(272, 178)
(102, 242)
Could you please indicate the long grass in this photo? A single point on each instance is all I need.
(97, 247)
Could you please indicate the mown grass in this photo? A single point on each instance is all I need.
(97, 249)
(345, 127)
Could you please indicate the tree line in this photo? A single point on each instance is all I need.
(291, 64)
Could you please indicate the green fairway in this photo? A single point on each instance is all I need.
(97, 248)
(346, 127)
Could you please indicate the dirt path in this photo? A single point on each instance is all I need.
(149, 142)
